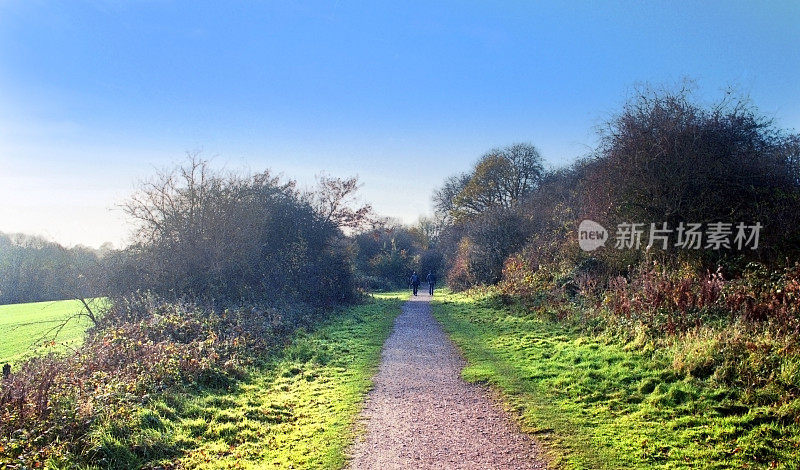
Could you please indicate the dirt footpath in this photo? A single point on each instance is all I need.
(422, 415)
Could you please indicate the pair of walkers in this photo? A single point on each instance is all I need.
(415, 282)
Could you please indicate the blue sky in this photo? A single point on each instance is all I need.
(95, 95)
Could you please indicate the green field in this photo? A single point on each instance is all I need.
(25, 328)
(599, 404)
(297, 411)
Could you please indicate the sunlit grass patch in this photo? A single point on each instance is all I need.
(597, 404)
(24, 328)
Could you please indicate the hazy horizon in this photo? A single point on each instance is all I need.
(97, 95)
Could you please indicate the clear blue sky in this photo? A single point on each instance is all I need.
(96, 94)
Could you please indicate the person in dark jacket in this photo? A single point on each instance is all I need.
(431, 281)
(415, 282)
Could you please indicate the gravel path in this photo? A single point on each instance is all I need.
(421, 414)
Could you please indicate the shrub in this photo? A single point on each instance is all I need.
(666, 300)
(668, 158)
(237, 238)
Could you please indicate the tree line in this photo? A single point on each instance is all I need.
(33, 269)
(664, 158)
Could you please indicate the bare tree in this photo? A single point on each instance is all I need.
(335, 200)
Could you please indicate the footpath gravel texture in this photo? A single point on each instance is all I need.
(422, 415)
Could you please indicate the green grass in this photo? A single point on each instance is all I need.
(598, 404)
(298, 411)
(25, 327)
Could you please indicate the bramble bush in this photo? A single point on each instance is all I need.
(768, 296)
(741, 333)
(142, 346)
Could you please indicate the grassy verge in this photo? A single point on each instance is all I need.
(297, 411)
(599, 404)
(25, 327)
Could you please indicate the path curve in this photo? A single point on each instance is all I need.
(422, 415)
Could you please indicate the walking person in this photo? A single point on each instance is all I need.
(415, 282)
(431, 281)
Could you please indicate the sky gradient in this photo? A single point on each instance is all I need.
(96, 95)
